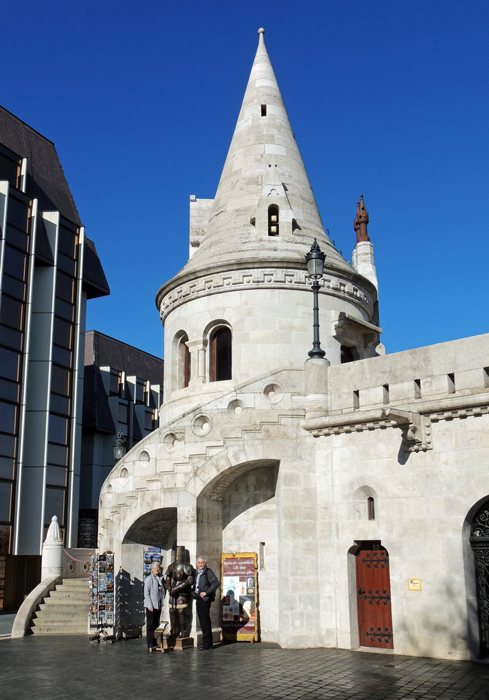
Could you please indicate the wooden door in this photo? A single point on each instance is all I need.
(374, 597)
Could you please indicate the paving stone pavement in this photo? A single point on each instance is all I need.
(41, 668)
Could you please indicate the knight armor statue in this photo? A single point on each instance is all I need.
(179, 580)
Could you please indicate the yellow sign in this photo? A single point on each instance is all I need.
(414, 584)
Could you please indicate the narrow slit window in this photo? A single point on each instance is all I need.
(417, 388)
(273, 220)
(385, 394)
(263, 110)
(451, 383)
(356, 399)
(371, 508)
(486, 377)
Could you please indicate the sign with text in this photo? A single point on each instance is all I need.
(239, 597)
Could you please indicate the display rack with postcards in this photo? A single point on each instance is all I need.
(101, 583)
(151, 555)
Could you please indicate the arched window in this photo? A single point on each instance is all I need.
(273, 220)
(183, 362)
(371, 508)
(221, 354)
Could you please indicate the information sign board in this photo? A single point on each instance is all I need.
(240, 597)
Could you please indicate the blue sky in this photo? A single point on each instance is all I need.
(388, 98)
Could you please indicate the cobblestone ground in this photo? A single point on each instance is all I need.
(69, 667)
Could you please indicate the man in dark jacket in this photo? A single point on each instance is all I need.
(206, 585)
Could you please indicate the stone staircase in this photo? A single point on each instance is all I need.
(64, 610)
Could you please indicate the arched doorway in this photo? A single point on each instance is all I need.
(373, 591)
(479, 542)
(156, 528)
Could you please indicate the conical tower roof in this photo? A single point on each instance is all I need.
(263, 167)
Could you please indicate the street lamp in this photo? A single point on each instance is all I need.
(315, 266)
(119, 446)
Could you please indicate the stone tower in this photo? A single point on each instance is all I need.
(244, 294)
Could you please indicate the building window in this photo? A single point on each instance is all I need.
(183, 357)
(221, 355)
(273, 220)
(371, 508)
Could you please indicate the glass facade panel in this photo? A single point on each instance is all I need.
(55, 476)
(62, 356)
(8, 417)
(60, 381)
(18, 239)
(60, 404)
(9, 391)
(65, 287)
(9, 364)
(9, 168)
(65, 310)
(58, 429)
(54, 505)
(12, 338)
(15, 263)
(5, 501)
(14, 287)
(8, 444)
(63, 333)
(17, 213)
(67, 242)
(58, 455)
(7, 465)
(12, 313)
(66, 264)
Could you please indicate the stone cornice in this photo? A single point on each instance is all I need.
(414, 420)
(263, 275)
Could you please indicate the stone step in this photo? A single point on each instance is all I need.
(58, 628)
(75, 583)
(68, 595)
(64, 610)
(65, 603)
(62, 616)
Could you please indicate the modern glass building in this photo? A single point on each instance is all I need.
(48, 270)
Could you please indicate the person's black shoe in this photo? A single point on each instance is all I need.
(203, 648)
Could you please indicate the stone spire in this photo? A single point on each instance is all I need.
(361, 221)
(263, 168)
(363, 253)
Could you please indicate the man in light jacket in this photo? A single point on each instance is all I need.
(154, 592)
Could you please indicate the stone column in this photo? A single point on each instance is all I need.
(316, 386)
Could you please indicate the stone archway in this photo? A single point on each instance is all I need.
(236, 512)
(479, 542)
(156, 528)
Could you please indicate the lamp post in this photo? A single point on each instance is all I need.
(119, 446)
(315, 266)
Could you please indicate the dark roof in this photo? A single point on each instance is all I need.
(103, 351)
(43, 247)
(96, 410)
(46, 180)
(94, 279)
(47, 183)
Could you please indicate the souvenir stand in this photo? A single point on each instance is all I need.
(102, 609)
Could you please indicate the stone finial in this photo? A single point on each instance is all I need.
(261, 31)
(361, 221)
(54, 532)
